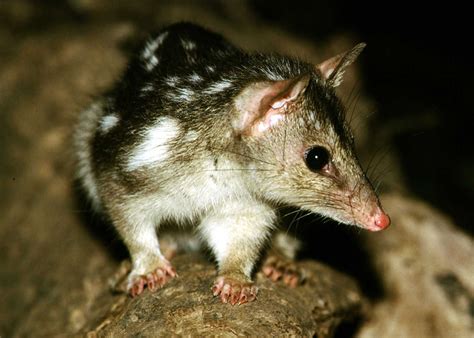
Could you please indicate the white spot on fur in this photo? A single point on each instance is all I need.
(211, 69)
(150, 49)
(314, 120)
(272, 75)
(107, 122)
(152, 63)
(302, 121)
(148, 88)
(195, 78)
(172, 81)
(152, 46)
(317, 125)
(218, 87)
(155, 145)
(182, 94)
(188, 45)
(191, 136)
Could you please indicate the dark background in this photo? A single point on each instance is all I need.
(418, 68)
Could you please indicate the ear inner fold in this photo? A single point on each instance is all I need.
(264, 104)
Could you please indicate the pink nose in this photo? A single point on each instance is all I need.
(380, 220)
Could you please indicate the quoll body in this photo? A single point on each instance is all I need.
(203, 135)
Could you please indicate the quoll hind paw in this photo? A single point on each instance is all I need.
(233, 291)
(277, 268)
(153, 280)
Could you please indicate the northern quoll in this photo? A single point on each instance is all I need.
(203, 135)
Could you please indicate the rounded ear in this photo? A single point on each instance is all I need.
(333, 69)
(262, 105)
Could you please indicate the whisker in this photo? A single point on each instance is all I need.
(306, 214)
(376, 156)
(381, 157)
(243, 155)
(238, 169)
(352, 102)
(291, 213)
(292, 221)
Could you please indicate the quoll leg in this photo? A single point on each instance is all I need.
(236, 234)
(150, 269)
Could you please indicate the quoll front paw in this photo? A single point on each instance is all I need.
(153, 280)
(234, 291)
(278, 268)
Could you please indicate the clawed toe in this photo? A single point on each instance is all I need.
(233, 291)
(277, 269)
(153, 280)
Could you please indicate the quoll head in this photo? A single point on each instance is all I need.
(295, 128)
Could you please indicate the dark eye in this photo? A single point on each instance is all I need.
(317, 158)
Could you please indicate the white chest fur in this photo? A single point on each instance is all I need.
(191, 196)
(212, 186)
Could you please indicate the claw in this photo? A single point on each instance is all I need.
(243, 299)
(276, 275)
(267, 270)
(153, 280)
(235, 295)
(253, 294)
(233, 291)
(278, 268)
(137, 288)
